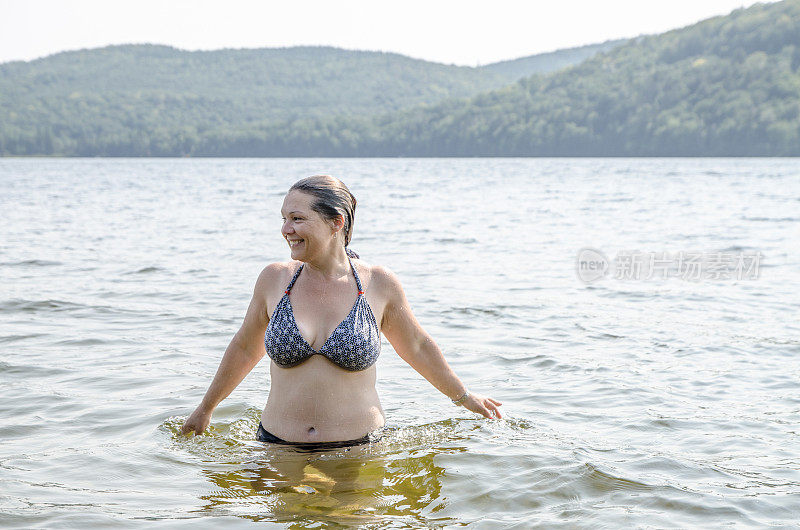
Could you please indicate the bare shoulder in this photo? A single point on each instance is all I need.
(276, 273)
(382, 280)
(277, 268)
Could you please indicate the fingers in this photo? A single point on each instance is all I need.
(491, 412)
(479, 408)
(192, 431)
(196, 423)
(192, 428)
(490, 409)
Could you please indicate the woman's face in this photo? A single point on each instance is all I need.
(307, 233)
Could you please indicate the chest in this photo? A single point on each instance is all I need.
(318, 314)
(354, 344)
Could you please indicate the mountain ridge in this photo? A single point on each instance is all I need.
(725, 86)
(140, 95)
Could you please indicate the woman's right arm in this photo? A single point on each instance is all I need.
(243, 353)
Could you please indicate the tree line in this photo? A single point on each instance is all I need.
(727, 86)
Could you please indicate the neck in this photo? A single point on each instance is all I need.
(332, 265)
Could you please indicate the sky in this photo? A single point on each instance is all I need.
(463, 32)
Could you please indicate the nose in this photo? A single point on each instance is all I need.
(286, 228)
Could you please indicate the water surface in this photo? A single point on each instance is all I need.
(628, 402)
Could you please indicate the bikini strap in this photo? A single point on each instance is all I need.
(296, 274)
(294, 278)
(358, 280)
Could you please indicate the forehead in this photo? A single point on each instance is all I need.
(297, 201)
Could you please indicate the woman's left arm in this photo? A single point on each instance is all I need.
(417, 348)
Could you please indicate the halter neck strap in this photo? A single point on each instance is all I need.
(358, 280)
(352, 267)
(294, 279)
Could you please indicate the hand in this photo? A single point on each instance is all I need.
(197, 422)
(485, 406)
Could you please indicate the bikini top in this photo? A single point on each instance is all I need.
(354, 345)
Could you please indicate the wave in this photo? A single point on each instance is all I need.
(14, 338)
(31, 263)
(147, 270)
(32, 306)
(771, 219)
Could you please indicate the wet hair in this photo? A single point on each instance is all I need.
(332, 199)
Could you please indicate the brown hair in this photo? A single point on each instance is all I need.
(332, 200)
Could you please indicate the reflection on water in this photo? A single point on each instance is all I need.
(285, 487)
(393, 479)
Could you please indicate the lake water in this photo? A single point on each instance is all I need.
(632, 399)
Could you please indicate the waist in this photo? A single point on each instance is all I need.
(316, 428)
(299, 421)
(265, 436)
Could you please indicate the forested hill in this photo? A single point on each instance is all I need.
(256, 84)
(543, 63)
(134, 98)
(149, 99)
(727, 86)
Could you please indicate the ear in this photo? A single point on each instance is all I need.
(338, 222)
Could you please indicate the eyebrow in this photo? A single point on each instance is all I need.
(296, 211)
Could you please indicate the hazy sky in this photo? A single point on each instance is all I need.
(463, 32)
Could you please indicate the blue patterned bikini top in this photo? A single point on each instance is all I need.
(354, 345)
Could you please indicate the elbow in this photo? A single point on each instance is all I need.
(255, 354)
(418, 353)
(251, 353)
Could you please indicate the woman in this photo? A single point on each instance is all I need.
(324, 346)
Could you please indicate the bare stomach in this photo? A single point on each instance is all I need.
(317, 401)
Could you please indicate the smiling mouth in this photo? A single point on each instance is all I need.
(295, 243)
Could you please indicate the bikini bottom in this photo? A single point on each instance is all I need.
(264, 435)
